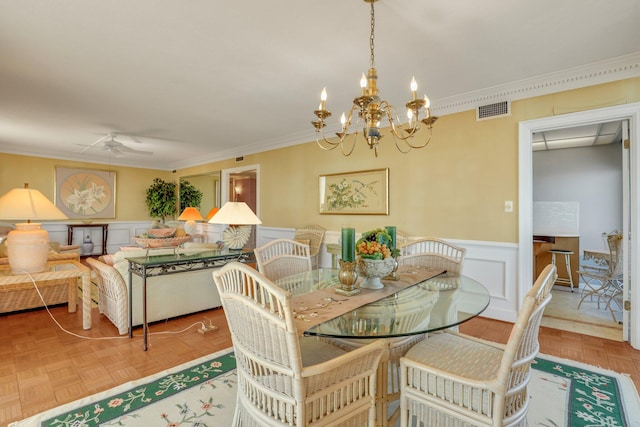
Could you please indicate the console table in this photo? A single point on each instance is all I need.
(161, 265)
(105, 233)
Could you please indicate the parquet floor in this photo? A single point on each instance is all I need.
(42, 367)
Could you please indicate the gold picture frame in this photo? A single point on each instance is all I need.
(355, 193)
(85, 193)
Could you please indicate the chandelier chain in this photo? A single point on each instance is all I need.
(372, 36)
(370, 110)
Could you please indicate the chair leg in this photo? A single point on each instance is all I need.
(591, 293)
(567, 260)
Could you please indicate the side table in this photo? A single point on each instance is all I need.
(16, 285)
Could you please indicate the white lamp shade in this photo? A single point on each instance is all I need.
(28, 204)
(28, 245)
(237, 213)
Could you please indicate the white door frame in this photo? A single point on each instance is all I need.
(526, 129)
(224, 190)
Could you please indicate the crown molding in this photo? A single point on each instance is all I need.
(619, 68)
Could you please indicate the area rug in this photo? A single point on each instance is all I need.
(202, 393)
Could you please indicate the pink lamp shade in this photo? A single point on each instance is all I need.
(28, 245)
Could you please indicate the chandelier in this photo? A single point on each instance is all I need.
(371, 110)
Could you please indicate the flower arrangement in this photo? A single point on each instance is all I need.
(376, 244)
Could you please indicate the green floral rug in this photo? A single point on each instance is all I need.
(202, 393)
(567, 393)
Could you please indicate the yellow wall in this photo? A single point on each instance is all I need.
(454, 188)
(131, 183)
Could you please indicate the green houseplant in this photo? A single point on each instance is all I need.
(161, 199)
(190, 196)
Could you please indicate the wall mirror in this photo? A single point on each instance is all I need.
(209, 184)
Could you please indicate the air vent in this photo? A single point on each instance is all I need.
(491, 111)
(240, 159)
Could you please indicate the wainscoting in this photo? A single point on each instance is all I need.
(494, 264)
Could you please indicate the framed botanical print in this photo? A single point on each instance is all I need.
(352, 193)
(85, 193)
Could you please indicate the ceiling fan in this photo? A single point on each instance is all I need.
(110, 143)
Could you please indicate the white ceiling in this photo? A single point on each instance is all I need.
(578, 136)
(205, 80)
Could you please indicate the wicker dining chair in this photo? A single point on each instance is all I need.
(432, 252)
(402, 239)
(112, 294)
(282, 257)
(453, 379)
(285, 379)
(314, 234)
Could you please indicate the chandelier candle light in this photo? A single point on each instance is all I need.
(371, 110)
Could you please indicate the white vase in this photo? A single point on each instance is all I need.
(87, 246)
(371, 270)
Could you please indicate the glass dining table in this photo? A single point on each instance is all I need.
(438, 303)
(402, 318)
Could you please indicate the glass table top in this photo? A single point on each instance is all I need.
(186, 255)
(434, 304)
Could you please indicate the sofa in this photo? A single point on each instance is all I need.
(167, 296)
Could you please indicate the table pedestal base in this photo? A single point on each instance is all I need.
(388, 378)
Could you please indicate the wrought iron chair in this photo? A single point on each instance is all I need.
(314, 234)
(432, 252)
(605, 285)
(282, 257)
(453, 379)
(285, 379)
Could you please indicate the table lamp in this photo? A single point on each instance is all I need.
(240, 217)
(28, 244)
(190, 216)
(212, 212)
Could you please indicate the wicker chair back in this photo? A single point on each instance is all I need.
(432, 252)
(274, 386)
(282, 257)
(314, 234)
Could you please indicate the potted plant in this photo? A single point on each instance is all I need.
(161, 199)
(190, 196)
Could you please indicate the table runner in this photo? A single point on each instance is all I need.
(319, 306)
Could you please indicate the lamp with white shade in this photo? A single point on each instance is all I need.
(240, 218)
(190, 215)
(28, 244)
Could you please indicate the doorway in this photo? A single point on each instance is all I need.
(577, 196)
(242, 184)
(630, 112)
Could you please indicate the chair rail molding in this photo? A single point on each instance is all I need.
(494, 264)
